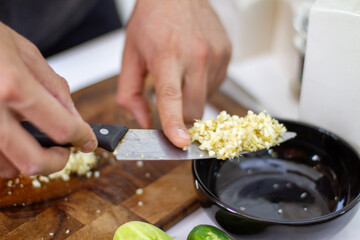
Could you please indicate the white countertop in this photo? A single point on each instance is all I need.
(99, 59)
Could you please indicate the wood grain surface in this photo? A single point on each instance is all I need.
(93, 208)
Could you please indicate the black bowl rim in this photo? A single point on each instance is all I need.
(320, 219)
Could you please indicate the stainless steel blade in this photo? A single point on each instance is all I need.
(141, 144)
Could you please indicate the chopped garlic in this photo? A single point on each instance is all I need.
(65, 177)
(139, 191)
(88, 174)
(79, 163)
(96, 174)
(10, 183)
(226, 136)
(139, 163)
(44, 179)
(36, 183)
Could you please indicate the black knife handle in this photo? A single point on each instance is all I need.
(108, 136)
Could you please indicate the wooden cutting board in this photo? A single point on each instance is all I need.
(93, 208)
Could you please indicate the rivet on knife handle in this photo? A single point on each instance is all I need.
(108, 136)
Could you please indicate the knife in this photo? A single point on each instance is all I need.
(135, 144)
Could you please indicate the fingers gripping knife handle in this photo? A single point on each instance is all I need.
(108, 136)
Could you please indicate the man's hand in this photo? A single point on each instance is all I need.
(183, 45)
(31, 90)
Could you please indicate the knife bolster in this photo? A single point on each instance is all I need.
(109, 136)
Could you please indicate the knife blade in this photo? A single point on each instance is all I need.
(140, 144)
(136, 144)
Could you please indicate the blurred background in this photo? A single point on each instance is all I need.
(268, 38)
(296, 59)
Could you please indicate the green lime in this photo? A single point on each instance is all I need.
(136, 230)
(207, 232)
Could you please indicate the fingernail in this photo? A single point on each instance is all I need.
(181, 133)
(89, 146)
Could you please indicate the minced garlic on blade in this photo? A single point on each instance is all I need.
(226, 136)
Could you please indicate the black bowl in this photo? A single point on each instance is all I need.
(306, 188)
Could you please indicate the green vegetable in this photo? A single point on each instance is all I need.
(207, 232)
(136, 230)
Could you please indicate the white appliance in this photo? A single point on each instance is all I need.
(330, 93)
(270, 39)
